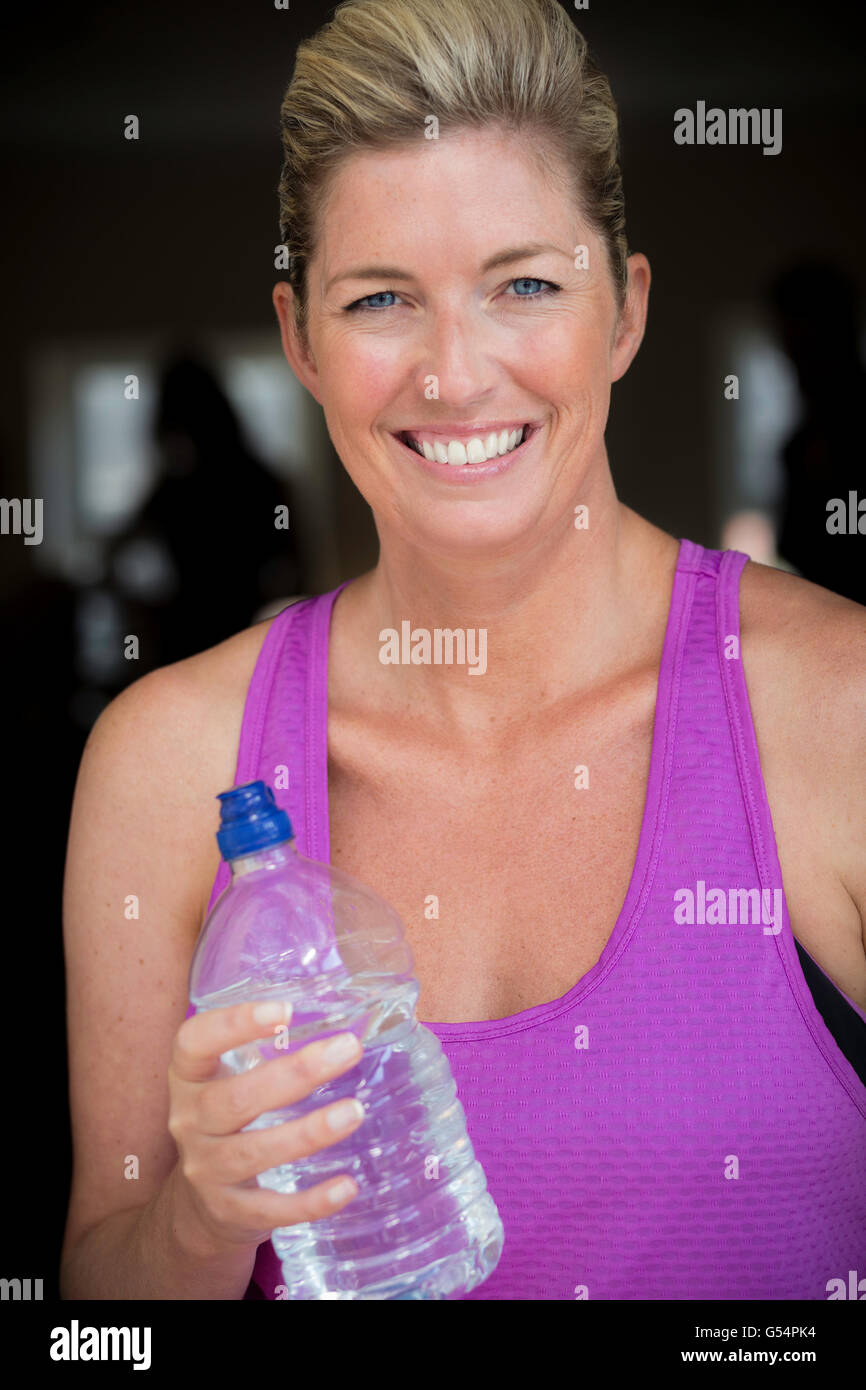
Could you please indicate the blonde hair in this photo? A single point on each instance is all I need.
(373, 75)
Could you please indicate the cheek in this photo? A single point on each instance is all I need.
(565, 359)
(361, 375)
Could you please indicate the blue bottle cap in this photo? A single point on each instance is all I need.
(250, 819)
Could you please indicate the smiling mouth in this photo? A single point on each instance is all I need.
(479, 448)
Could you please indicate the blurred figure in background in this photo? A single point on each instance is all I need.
(753, 533)
(817, 314)
(204, 554)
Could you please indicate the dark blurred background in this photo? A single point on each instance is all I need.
(144, 396)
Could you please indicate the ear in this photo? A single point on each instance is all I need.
(296, 349)
(631, 321)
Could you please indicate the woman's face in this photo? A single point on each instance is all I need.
(413, 328)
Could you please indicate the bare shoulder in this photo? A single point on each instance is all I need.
(173, 734)
(191, 709)
(813, 642)
(804, 660)
(222, 670)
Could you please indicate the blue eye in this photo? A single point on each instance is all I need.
(368, 301)
(523, 290)
(530, 280)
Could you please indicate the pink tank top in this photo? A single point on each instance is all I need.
(681, 1124)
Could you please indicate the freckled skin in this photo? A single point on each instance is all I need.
(493, 353)
(565, 624)
(438, 784)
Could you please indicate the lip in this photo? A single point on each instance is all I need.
(467, 473)
(451, 429)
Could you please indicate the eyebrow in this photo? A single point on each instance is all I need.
(390, 272)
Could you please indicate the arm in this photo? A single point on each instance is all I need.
(804, 655)
(165, 1202)
(138, 831)
(149, 1253)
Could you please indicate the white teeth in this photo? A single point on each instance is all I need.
(474, 450)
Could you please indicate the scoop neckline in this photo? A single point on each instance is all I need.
(646, 855)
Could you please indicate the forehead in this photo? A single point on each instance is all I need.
(466, 192)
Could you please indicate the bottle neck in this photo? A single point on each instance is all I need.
(271, 857)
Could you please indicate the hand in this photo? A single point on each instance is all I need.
(218, 1161)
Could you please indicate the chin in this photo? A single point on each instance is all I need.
(464, 525)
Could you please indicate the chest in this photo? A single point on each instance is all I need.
(508, 870)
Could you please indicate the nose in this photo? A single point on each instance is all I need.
(457, 365)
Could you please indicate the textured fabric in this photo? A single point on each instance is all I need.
(680, 1124)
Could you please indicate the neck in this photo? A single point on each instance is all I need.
(561, 618)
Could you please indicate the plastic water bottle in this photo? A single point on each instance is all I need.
(422, 1224)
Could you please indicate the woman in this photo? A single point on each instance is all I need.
(661, 1108)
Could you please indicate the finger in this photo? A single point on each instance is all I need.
(201, 1040)
(230, 1102)
(240, 1157)
(245, 1214)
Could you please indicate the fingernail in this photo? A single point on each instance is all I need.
(272, 1013)
(341, 1190)
(341, 1048)
(345, 1114)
